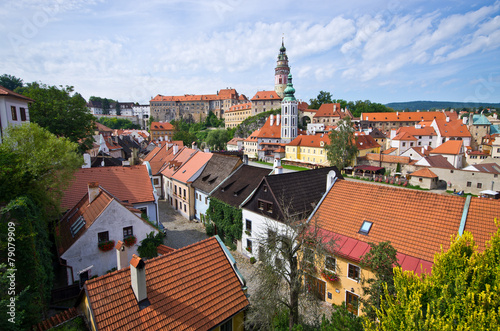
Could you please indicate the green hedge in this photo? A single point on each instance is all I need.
(228, 221)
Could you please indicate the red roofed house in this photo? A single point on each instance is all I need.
(413, 136)
(197, 287)
(447, 129)
(13, 109)
(161, 131)
(237, 114)
(416, 223)
(129, 184)
(388, 121)
(265, 100)
(453, 151)
(424, 178)
(330, 114)
(269, 138)
(98, 220)
(308, 149)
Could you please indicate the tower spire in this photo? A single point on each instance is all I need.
(281, 71)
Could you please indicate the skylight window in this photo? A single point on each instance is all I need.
(365, 228)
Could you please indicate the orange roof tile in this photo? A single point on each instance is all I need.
(423, 131)
(186, 172)
(453, 147)
(6, 92)
(481, 219)
(366, 142)
(390, 150)
(424, 172)
(162, 249)
(310, 140)
(266, 95)
(416, 223)
(179, 159)
(102, 128)
(56, 320)
(192, 288)
(452, 128)
(403, 116)
(155, 126)
(242, 106)
(130, 184)
(270, 131)
(388, 158)
(327, 110)
(404, 136)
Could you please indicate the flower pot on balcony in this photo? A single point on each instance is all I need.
(106, 245)
(329, 275)
(130, 241)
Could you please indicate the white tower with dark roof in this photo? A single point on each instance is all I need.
(289, 113)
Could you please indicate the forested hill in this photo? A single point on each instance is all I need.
(424, 105)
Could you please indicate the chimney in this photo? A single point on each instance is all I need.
(86, 160)
(277, 119)
(334, 107)
(193, 145)
(331, 177)
(464, 120)
(271, 122)
(206, 150)
(121, 255)
(277, 168)
(447, 119)
(138, 278)
(245, 159)
(176, 149)
(93, 191)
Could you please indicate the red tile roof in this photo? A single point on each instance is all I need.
(310, 140)
(390, 150)
(416, 223)
(162, 249)
(102, 128)
(155, 126)
(452, 147)
(268, 130)
(192, 288)
(130, 184)
(179, 159)
(404, 136)
(424, 172)
(403, 116)
(266, 95)
(242, 106)
(54, 321)
(452, 128)
(423, 131)
(366, 142)
(327, 110)
(6, 92)
(481, 219)
(388, 158)
(185, 173)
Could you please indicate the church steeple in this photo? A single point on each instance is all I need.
(289, 114)
(281, 71)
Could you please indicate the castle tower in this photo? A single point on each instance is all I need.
(289, 113)
(281, 71)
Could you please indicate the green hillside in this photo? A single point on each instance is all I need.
(425, 105)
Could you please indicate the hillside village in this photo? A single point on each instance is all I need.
(418, 179)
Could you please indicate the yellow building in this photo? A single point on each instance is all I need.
(237, 114)
(156, 295)
(308, 149)
(161, 131)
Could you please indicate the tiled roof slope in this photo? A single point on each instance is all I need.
(162, 126)
(403, 116)
(327, 110)
(235, 189)
(55, 320)
(6, 92)
(189, 168)
(492, 168)
(423, 131)
(424, 172)
(179, 159)
(416, 223)
(192, 288)
(300, 190)
(268, 130)
(366, 142)
(153, 153)
(102, 128)
(162, 249)
(310, 140)
(436, 161)
(481, 219)
(452, 128)
(265, 95)
(218, 168)
(129, 184)
(388, 158)
(452, 147)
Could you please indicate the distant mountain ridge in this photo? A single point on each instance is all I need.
(424, 105)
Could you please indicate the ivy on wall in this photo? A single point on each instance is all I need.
(228, 221)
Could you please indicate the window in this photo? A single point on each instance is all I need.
(184, 194)
(353, 272)
(103, 236)
(249, 245)
(479, 185)
(469, 184)
(184, 207)
(14, 113)
(248, 225)
(175, 189)
(156, 181)
(365, 227)
(23, 114)
(330, 263)
(228, 326)
(352, 304)
(265, 188)
(269, 207)
(261, 205)
(128, 232)
(404, 144)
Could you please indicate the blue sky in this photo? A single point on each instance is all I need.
(356, 50)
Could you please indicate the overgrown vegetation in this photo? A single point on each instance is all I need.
(253, 123)
(190, 131)
(356, 107)
(227, 220)
(342, 150)
(148, 246)
(118, 123)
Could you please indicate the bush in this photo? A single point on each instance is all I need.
(209, 228)
(252, 260)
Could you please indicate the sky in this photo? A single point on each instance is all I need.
(383, 51)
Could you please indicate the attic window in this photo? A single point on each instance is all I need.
(79, 223)
(365, 228)
(205, 178)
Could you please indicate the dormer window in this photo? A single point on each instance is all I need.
(365, 227)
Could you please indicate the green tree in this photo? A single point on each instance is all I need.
(187, 137)
(212, 121)
(323, 97)
(118, 109)
(342, 320)
(462, 293)
(217, 139)
(342, 149)
(148, 247)
(118, 123)
(10, 82)
(105, 106)
(62, 112)
(381, 259)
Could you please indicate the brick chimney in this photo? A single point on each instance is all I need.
(93, 191)
(138, 278)
(121, 255)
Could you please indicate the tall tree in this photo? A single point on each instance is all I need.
(342, 149)
(462, 293)
(381, 259)
(217, 139)
(10, 82)
(62, 112)
(118, 109)
(323, 97)
(105, 106)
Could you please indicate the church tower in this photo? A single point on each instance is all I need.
(289, 113)
(281, 71)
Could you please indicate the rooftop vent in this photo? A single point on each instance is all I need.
(365, 227)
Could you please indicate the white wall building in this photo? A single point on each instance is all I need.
(13, 109)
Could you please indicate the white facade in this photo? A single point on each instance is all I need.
(84, 254)
(13, 111)
(289, 120)
(201, 203)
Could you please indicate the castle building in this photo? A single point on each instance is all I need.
(281, 72)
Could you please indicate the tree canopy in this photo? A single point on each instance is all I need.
(118, 123)
(10, 82)
(342, 149)
(217, 139)
(462, 293)
(62, 112)
(356, 107)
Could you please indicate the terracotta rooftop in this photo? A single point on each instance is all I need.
(454, 128)
(366, 142)
(424, 172)
(412, 130)
(268, 130)
(416, 223)
(179, 159)
(56, 320)
(265, 95)
(310, 140)
(388, 158)
(492, 168)
(194, 164)
(239, 107)
(403, 116)
(129, 184)
(159, 126)
(452, 147)
(102, 128)
(223, 94)
(6, 92)
(192, 288)
(390, 150)
(162, 249)
(404, 136)
(327, 110)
